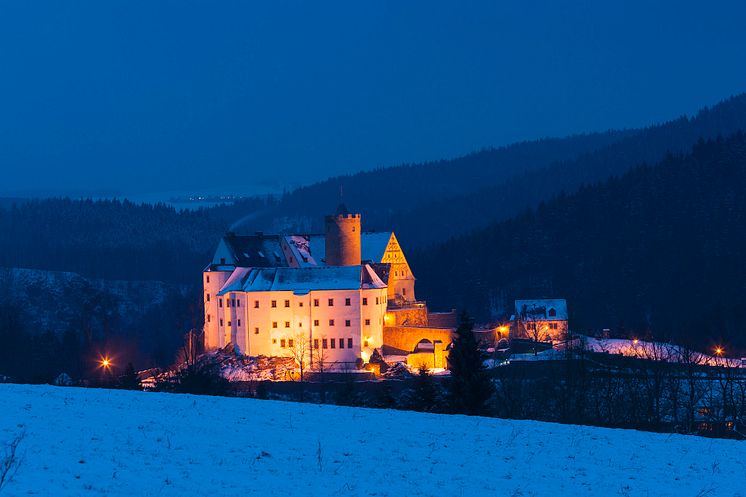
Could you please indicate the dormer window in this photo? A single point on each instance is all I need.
(552, 312)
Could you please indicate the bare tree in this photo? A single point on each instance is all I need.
(11, 461)
(301, 352)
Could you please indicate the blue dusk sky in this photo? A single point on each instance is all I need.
(132, 97)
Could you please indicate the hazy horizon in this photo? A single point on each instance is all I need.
(189, 97)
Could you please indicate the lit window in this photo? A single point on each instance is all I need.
(365, 300)
(347, 302)
(365, 343)
(287, 303)
(274, 324)
(274, 303)
(331, 302)
(347, 322)
(349, 343)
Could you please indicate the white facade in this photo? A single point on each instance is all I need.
(340, 326)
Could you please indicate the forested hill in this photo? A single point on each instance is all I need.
(427, 203)
(659, 249)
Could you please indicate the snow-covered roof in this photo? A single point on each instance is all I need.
(288, 250)
(541, 309)
(301, 280)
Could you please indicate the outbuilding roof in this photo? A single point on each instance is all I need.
(541, 309)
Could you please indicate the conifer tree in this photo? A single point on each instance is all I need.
(470, 386)
(425, 396)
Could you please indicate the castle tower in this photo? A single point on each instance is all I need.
(342, 238)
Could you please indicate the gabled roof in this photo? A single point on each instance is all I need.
(541, 309)
(302, 280)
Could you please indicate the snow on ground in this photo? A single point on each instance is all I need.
(82, 442)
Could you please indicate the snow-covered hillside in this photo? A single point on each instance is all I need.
(100, 442)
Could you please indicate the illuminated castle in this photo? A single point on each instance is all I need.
(330, 298)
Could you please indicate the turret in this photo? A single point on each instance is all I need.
(343, 238)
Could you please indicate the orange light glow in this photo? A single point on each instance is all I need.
(105, 362)
(635, 341)
(502, 329)
(718, 351)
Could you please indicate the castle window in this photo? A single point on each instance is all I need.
(274, 324)
(367, 322)
(365, 300)
(208, 318)
(229, 324)
(274, 303)
(287, 303)
(238, 302)
(238, 322)
(274, 341)
(323, 343)
(365, 343)
(349, 343)
(331, 322)
(282, 343)
(315, 343)
(331, 302)
(300, 304)
(256, 331)
(341, 343)
(347, 323)
(233, 302)
(290, 342)
(287, 324)
(552, 312)
(315, 322)
(315, 302)
(207, 279)
(333, 343)
(347, 302)
(220, 302)
(376, 300)
(403, 291)
(222, 260)
(221, 322)
(256, 304)
(208, 297)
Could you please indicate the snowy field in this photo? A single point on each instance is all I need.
(81, 442)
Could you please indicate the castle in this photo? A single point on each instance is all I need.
(331, 300)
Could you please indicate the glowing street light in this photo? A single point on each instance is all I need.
(105, 363)
(718, 351)
(635, 341)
